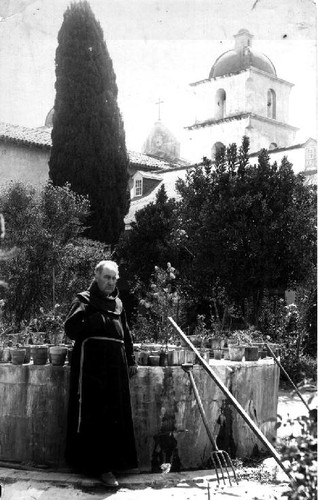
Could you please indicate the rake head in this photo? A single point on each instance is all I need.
(222, 461)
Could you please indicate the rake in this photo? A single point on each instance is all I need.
(234, 402)
(220, 458)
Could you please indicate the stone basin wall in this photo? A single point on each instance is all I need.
(168, 426)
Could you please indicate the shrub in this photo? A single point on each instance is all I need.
(52, 262)
(300, 455)
(157, 302)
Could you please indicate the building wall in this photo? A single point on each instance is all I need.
(295, 156)
(204, 97)
(262, 133)
(200, 141)
(23, 163)
(257, 85)
(245, 92)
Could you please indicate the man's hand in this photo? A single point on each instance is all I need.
(132, 370)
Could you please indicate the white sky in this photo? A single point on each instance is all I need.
(157, 48)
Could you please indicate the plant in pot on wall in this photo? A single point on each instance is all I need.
(18, 354)
(51, 325)
(158, 301)
(243, 343)
(54, 324)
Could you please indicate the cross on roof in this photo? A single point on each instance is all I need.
(158, 103)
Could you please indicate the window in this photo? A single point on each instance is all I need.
(220, 101)
(138, 187)
(310, 158)
(216, 148)
(271, 104)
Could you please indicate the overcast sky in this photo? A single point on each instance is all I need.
(157, 48)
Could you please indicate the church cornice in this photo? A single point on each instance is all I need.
(251, 69)
(212, 121)
(272, 121)
(240, 116)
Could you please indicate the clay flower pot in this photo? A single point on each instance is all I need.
(217, 353)
(236, 352)
(163, 358)
(143, 358)
(226, 353)
(58, 355)
(27, 356)
(189, 357)
(251, 353)
(39, 354)
(176, 357)
(17, 355)
(205, 354)
(6, 355)
(153, 360)
(217, 343)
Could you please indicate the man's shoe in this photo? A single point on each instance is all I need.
(109, 480)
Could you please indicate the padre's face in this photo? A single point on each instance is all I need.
(106, 280)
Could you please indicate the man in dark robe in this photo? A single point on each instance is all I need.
(100, 436)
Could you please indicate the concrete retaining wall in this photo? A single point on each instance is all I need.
(168, 427)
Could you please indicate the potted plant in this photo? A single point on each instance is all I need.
(39, 354)
(237, 342)
(17, 354)
(247, 340)
(58, 355)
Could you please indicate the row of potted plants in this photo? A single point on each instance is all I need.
(172, 355)
(38, 354)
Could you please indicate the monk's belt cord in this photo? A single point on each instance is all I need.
(80, 382)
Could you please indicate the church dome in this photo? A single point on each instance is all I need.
(241, 57)
(49, 118)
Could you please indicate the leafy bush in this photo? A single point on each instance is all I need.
(303, 367)
(52, 262)
(300, 455)
(157, 302)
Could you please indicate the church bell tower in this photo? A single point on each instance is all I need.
(241, 96)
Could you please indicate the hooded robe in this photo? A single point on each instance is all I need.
(100, 435)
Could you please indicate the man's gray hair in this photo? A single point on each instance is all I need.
(108, 264)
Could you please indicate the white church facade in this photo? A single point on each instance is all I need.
(242, 96)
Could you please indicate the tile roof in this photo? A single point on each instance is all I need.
(285, 148)
(41, 137)
(168, 179)
(148, 161)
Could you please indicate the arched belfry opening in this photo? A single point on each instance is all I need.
(271, 104)
(215, 148)
(220, 104)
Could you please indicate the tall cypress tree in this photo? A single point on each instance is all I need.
(88, 138)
